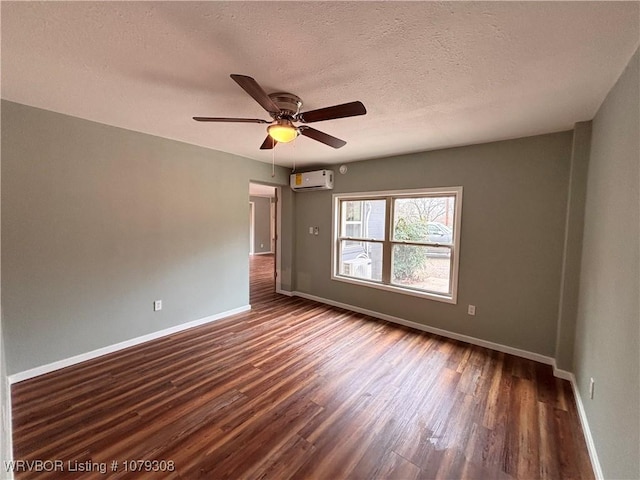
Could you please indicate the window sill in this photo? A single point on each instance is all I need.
(396, 289)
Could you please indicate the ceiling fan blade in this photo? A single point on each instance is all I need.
(250, 86)
(225, 119)
(268, 143)
(322, 137)
(351, 109)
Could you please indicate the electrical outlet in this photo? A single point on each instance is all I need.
(471, 310)
(316, 230)
(592, 386)
(157, 305)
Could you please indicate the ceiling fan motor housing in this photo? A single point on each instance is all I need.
(288, 103)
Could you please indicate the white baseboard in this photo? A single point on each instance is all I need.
(436, 331)
(591, 446)
(34, 372)
(563, 374)
(284, 292)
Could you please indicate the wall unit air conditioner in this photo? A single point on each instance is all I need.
(318, 180)
(358, 267)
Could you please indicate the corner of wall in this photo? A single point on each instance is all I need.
(572, 250)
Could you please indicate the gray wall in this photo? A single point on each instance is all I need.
(572, 255)
(607, 348)
(287, 236)
(5, 401)
(262, 224)
(98, 222)
(513, 223)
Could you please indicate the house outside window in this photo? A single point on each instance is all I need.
(405, 241)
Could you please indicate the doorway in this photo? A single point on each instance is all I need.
(263, 234)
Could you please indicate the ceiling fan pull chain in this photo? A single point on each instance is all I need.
(294, 159)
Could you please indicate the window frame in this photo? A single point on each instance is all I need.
(388, 242)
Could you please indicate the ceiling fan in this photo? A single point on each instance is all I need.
(284, 109)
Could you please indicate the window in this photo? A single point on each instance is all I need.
(403, 241)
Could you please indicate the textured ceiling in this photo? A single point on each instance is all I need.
(431, 75)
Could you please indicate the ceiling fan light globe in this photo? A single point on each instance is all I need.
(282, 132)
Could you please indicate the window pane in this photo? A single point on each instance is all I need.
(424, 219)
(361, 260)
(353, 211)
(353, 230)
(363, 219)
(423, 268)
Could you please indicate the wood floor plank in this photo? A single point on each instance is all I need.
(294, 389)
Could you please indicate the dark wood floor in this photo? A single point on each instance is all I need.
(296, 389)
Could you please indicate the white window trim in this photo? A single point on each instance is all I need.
(335, 230)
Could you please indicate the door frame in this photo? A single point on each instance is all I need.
(277, 199)
(252, 226)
